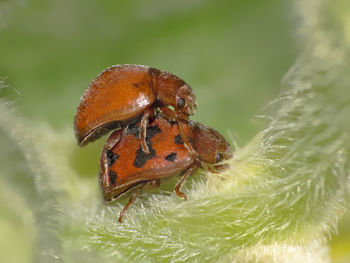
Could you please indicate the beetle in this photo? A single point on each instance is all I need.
(124, 165)
(124, 94)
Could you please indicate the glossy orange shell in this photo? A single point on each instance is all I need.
(124, 164)
(119, 93)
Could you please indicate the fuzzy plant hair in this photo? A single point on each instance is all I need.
(278, 202)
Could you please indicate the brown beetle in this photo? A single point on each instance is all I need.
(123, 94)
(124, 164)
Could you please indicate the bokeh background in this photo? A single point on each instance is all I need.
(233, 54)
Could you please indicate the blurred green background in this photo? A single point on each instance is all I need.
(232, 53)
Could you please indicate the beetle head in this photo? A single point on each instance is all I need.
(185, 102)
(173, 91)
(211, 146)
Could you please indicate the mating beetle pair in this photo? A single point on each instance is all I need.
(153, 141)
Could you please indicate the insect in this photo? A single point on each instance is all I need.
(124, 165)
(124, 94)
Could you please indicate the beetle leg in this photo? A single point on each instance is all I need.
(171, 115)
(178, 186)
(221, 167)
(152, 184)
(144, 123)
(113, 139)
(132, 199)
(187, 144)
(105, 161)
(216, 168)
(207, 167)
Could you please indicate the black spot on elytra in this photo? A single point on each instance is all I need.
(178, 139)
(134, 130)
(112, 177)
(151, 131)
(142, 157)
(171, 157)
(111, 157)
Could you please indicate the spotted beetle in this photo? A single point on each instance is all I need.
(124, 165)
